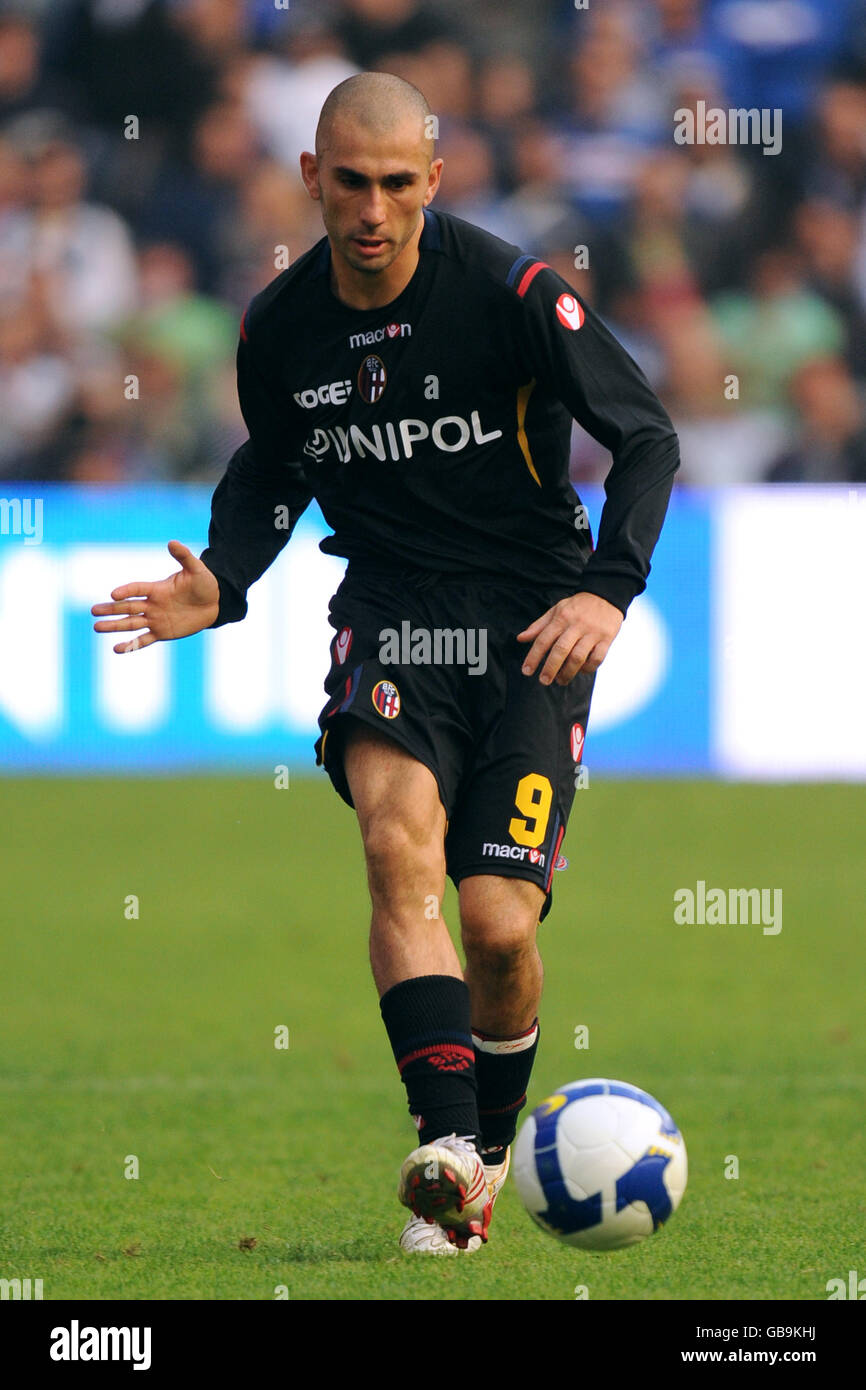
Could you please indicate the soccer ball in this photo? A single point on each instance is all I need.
(600, 1164)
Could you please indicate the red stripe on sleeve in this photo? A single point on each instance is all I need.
(530, 276)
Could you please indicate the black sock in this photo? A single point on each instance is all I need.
(428, 1023)
(502, 1068)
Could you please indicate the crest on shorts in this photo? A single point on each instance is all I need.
(342, 645)
(577, 737)
(386, 699)
(372, 379)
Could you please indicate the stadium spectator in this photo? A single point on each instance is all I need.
(134, 58)
(14, 226)
(37, 387)
(775, 328)
(556, 126)
(81, 251)
(196, 203)
(828, 237)
(776, 52)
(284, 91)
(617, 113)
(471, 190)
(838, 166)
(726, 433)
(24, 83)
(275, 219)
(830, 446)
(372, 28)
(729, 210)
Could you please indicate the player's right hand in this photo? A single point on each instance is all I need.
(184, 603)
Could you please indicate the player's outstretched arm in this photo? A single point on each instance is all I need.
(184, 603)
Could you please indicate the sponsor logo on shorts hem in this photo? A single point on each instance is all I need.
(521, 852)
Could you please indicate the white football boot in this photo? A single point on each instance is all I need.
(427, 1178)
(426, 1238)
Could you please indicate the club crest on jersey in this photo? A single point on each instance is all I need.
(372, 379)
(342, 644)
(577, 736)
(386, 699)
(569, 312)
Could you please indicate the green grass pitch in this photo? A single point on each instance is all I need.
(262, 1167)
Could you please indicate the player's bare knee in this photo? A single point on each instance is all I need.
(512, 903)
(497, 950)
(498, 920)
(403, 857)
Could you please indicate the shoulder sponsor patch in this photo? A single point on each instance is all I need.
(569, 312)
(386, 699)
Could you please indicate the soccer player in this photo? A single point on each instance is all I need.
(418, 377)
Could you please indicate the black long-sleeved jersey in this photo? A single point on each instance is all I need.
(434, 433)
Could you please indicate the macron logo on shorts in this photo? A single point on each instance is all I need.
(520, 852)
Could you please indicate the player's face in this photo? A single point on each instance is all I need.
(372, 190)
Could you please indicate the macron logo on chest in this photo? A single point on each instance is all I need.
(387, 333)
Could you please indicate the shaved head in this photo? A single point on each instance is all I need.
(373, 173)
(378, 103)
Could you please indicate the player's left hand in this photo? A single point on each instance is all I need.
(575, 634)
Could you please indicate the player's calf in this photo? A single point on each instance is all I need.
(503, 971)
(499, 920)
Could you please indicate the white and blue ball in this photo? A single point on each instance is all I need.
(600, 1164)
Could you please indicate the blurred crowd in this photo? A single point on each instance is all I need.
(149, 177)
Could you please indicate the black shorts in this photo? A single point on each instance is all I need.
(433, 662)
